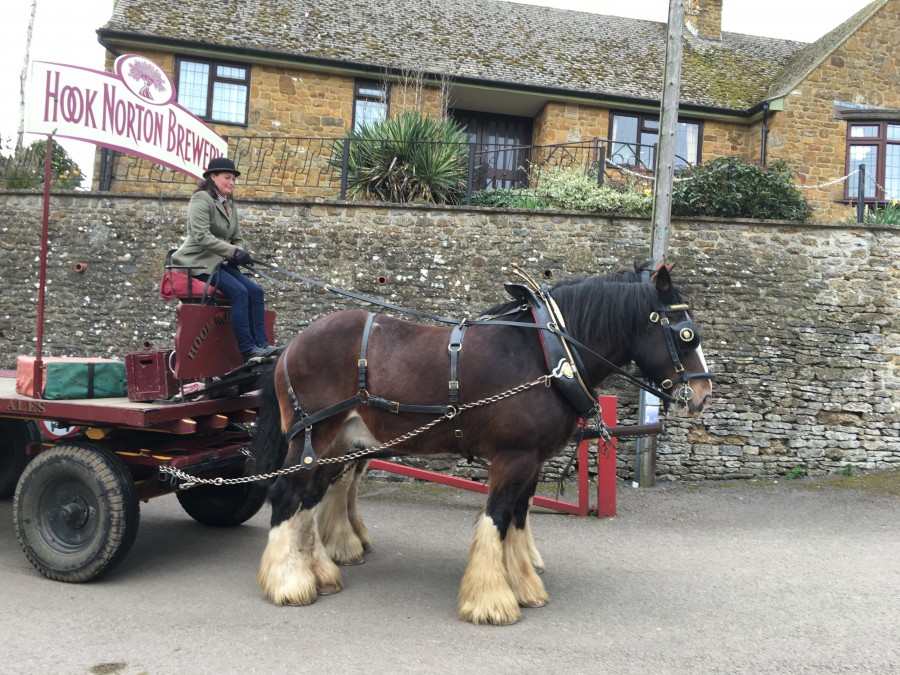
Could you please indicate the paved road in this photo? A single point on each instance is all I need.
(793, 577)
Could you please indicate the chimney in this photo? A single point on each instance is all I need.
(703, 18)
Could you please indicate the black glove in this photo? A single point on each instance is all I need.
(241, 257)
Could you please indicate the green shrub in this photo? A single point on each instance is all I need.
(576, 190)
(409, 158)
(888, 215)
(24, 169)
(729, 187)
(506, 199)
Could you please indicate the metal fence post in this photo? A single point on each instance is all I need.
(861, 195)
(345, 166)
(104, 182)
(470, 177)
(601, 165)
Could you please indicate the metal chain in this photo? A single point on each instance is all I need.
(829, 183)
(650, 178)
(193, 481)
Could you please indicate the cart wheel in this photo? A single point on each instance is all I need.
(76, 512)
(15, 435)
(225, 505)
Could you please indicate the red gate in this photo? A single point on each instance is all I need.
(606, 474)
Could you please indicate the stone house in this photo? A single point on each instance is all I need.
(279, 78)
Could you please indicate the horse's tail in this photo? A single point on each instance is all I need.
(269, 445)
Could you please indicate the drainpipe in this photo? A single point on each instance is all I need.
(765, 133)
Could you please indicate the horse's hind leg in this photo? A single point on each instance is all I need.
(294, 568)
(344, 535)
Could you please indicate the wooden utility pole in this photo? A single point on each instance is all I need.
(662, 200)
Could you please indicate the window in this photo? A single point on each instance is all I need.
(370, 103)
(634, 138)
(214, 91)
(877, 146)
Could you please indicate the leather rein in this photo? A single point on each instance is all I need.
(565, 364)
(554, 327)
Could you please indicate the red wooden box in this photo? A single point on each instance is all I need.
(148, 376)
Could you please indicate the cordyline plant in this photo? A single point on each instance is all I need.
(409, 158)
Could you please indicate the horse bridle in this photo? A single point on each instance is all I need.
(683, 332)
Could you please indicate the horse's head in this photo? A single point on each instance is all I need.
(670, 355)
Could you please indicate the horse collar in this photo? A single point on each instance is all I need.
(563, 362)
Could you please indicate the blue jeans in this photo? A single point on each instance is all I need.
(247, 306)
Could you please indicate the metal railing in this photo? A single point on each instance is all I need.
(302, 166)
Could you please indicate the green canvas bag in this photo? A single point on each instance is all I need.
(84, 379)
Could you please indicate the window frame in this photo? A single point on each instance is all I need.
(645, 122)
(880, 142)
(360, 83)
(214, 79)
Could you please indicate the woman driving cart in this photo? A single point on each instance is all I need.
(215, 250)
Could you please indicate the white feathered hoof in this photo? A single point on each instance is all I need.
(284, 576)
(485, 597)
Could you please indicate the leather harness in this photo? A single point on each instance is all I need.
(563, 362)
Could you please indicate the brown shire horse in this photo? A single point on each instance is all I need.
(345, 357)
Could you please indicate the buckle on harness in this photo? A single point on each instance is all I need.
(563, 369)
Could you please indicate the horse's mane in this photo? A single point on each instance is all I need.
(624, 275)
(612, 306)
(599, 309)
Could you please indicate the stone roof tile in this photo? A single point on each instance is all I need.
(489, 40)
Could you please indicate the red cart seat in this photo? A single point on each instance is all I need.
(177, 284)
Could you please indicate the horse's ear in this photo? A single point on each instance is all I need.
(663, 280)
(656, 270)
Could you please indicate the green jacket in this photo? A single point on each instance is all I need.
(211, 235)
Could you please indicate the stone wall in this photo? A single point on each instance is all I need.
(799, 321)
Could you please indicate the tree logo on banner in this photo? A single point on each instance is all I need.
(141, 75)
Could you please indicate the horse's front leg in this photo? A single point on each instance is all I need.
(523, 561)
(356, 520)
(537, 561)
(485, 596)
(295, 568)
(339, 536)
(499, 576)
